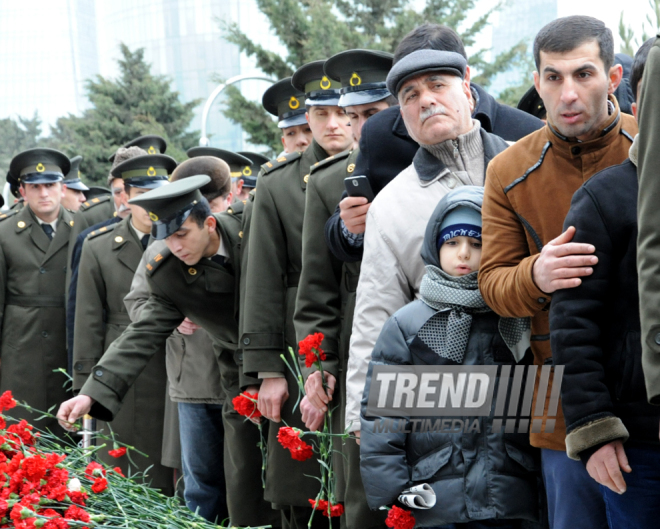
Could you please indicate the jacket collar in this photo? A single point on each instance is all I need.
(27, 221)
(428, 167)
(127, 245)
(575, 149)
(314, 153)
(399, 127)
(485, 108)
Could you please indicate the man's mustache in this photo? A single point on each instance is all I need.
(432, 111)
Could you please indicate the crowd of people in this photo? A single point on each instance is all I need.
(481, 234)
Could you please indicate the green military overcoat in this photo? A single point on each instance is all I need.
(108, 262)
(273, 273)
(325, 303)
(206, 293)
(33, 341)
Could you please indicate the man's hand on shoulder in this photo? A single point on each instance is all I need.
(605, 466)
(71, 410)
(353, 211)
(562, 263)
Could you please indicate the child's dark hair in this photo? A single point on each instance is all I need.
(639, 63)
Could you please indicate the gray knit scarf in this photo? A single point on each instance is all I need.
(456, 299)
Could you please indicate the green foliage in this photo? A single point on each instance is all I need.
(134, 104)
(317, 29)
(650, 28)
(17, 136)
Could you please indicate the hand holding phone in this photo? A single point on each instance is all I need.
(359, 186)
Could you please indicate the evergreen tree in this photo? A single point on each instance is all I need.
(317, 29)
(134, 104)
(16, 137)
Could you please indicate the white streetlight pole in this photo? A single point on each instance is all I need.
(204, 141)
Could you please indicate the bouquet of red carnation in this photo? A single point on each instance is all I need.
(398, 518)
(245, 404)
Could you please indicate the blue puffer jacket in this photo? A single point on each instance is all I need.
(476, 476)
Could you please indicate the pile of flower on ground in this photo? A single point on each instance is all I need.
(45, 483)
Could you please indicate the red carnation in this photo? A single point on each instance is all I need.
(118, 452)
(303, 452)
(100, 484)
(289, 437)
(76, 513)
(118, 471)
(245, 404)
(398, 518)
(94, 470)
(310, 347)
(21, 432)
(77, 496)
(322, 505)
(7, 401)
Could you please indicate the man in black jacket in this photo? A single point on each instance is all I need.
(595, 335)
(386, 149)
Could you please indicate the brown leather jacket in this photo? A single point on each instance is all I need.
(528, 192)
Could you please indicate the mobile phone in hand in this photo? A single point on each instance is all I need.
(359, 186)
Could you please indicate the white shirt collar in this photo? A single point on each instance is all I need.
(52, 224)
(139, 233)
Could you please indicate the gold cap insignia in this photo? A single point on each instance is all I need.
(355, 80)
(153, 216)
(192, 271)
(294, 103)
(351, 168)
(325, 83)
(247, 171)
(119, 238)
(306, 178)
(21, 224)
(151, 150)
(151, 171)
(40, 168)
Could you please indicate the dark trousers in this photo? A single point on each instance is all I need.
(574, 498)
(202, 444)
(639, 506)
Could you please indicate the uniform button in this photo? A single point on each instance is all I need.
(44, 334)
(98, 372)
(246, 341)
(451, 183)
(657, 338)
(541, 300)
(42, 270)
(576, 150)
(79, 366)
(240, 356)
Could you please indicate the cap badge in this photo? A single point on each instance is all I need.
(293, 103)
(325, 83)
(151, 171)
(40, 168)
(355, 80)
(247, 171)
(151, 150)
(153, 216)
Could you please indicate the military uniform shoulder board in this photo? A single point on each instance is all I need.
(330, 160)
(281, 161)
(94, 202)
(101, 231)
(157, 260)
(236, 208)
(6, 214)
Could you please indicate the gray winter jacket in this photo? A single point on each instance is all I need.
(476, 476)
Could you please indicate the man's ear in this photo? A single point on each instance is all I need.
(21, 190)
(634, 110)
(615, 76)
(467, 74)
(63, 190)
(210, 223)
(537, 82)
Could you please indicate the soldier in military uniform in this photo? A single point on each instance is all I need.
(74, 193)
(288, 104)
(273, 273)
(250, 172)
(195, 278)
(33, 250)
(110, 257)
(195, 383)
(326, 299)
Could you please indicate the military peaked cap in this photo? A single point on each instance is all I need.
(170, 206)
(38, 166)
(251, 171)
(72, 180)
(285, 102)
(319, 88)
(147, 171)
(362, 74)
(236, 162)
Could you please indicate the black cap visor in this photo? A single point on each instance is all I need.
(249, 181)
(147, 182)
(323, 98)
(292, 119)
(41, 178)
(353, 96)
(75, 184)
(162, 229)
